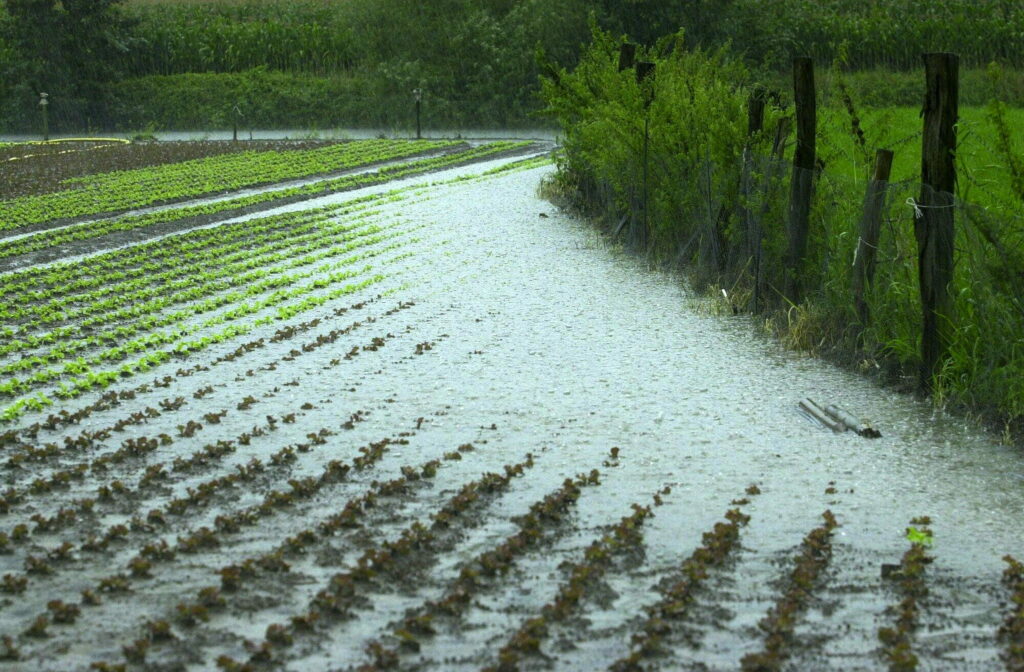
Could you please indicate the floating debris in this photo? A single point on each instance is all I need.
(837, 419)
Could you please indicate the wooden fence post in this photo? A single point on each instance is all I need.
(755, 124)
(627, 56)
(803, 174)
(645, 77)
(933, 222)
(870, 228)
(755, 111)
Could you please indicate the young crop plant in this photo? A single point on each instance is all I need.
(62, 612)
(1011, 632)
(37, 629)
(909, 575)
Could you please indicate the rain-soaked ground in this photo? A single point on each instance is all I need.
(505, 329)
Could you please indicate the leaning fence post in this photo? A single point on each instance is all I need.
(870, 228)
(755, 124)
(933, 221)
(803, 174)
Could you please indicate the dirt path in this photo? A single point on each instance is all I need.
(506, 339)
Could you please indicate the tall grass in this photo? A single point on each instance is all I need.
(699, 211)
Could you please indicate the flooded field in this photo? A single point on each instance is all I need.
(488, 441)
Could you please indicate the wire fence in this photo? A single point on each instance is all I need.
(726, 225)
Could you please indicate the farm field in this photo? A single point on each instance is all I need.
(424, 420)
(38, 173)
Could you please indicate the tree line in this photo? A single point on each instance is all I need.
(478, 59)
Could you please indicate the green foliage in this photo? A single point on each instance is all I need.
(886, 33)
(70, 50)
(297, 36)
(696, 120)
(700, 215)
(313, 63)
(921, 537)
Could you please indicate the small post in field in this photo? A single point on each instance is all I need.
(870, 229)
(933, 220)
(802, 183)
(236, 115)
(418, 94)
(44, 105)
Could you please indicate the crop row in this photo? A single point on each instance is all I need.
(1012, 630)
(140, 446)
(909, 577)
(272, 292)
(813, 557)
(35, 171)
(89, 230)
(135, 307)
(419, 624)
(121, 190)
(114, 398)
(386, 562)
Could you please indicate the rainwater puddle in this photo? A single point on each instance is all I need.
(519, 333)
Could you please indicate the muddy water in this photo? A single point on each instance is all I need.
(544, 339)
(582, 351)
